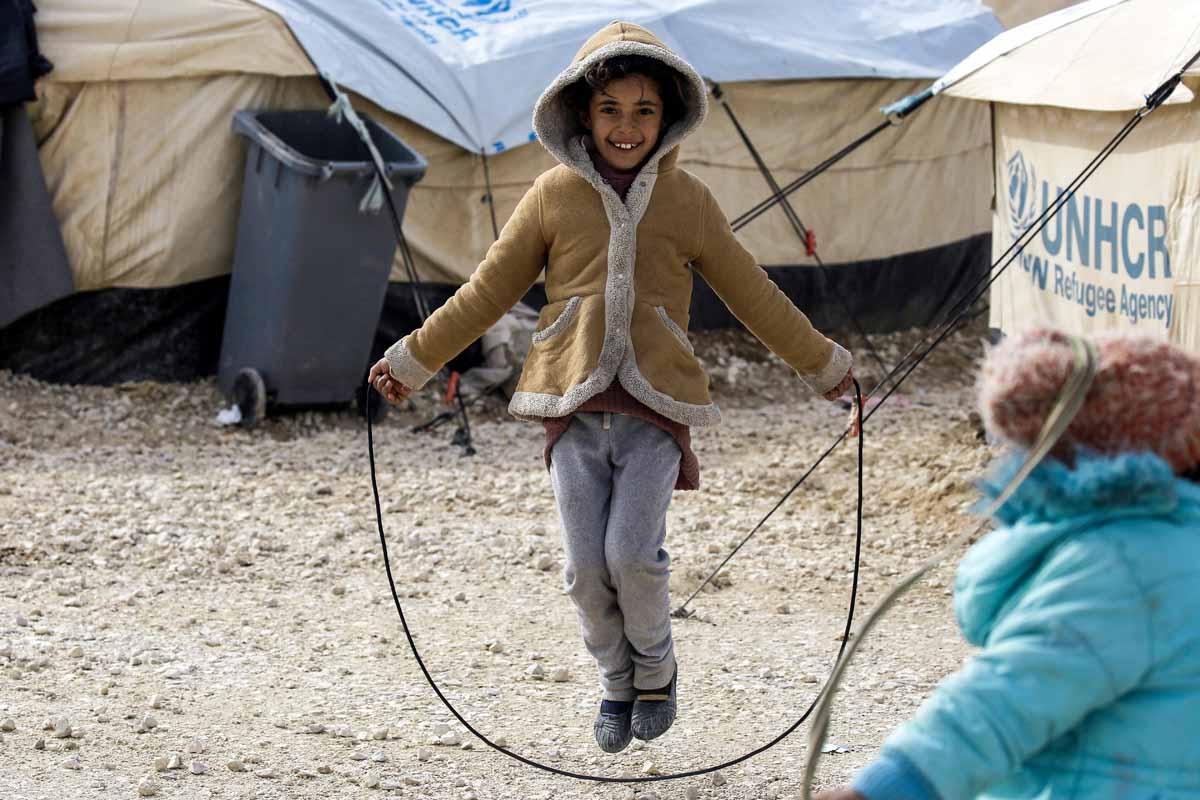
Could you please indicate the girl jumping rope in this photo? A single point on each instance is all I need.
(619, 228)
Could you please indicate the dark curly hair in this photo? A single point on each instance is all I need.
(578, 95)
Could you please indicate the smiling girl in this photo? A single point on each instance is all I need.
(619, 229)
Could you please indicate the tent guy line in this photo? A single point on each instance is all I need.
(806, 236)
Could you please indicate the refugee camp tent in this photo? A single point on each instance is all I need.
(1124, 252)
(144, 172)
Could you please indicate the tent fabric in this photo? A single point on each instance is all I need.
(1100, 55)
(471, 71)
(94, 41)
(1012, 13)
(142, 209)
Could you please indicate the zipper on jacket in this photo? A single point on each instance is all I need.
(607, 423)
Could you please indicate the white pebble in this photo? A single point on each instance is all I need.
(147, 787)
(718, 779)
(161, 763)
(147, 724)
(560, 675)
(379, 734)
(379, 757)
(196, 746)
(451, 739)
(156, 701)
(424, 754)
(174, 761)
(535, 671)
(371, 781)
(691, 793)
(315, 727)
(495, 647)
(266, 772)
(8, 725)
(500, 741)
(461, 597)
(72, 763)
(236, 765)
(650, 768)
(440, 729)
(358, 755)
(75, 652)
(21, 621)
(6, 650)
(62, 728)
(545, 562)
(198, 768)
(324, 769)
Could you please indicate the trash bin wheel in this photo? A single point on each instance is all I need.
(367, 401)
(250, 396)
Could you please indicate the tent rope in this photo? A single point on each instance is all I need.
(895, 118)
(794, 218)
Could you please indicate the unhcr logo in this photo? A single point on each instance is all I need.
(486, 8)
(1102, 254)
(436, 21)
(1022, 190)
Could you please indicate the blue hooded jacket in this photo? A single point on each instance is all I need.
(1087, 607)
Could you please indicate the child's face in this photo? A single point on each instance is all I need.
(626, 118)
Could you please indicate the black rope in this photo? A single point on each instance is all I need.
(387, 565)
(490, 197)
(893, 120)
(797, 226)
(463, 435)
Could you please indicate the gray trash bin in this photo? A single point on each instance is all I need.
(310, 270)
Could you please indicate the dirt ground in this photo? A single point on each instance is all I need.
(214, 599)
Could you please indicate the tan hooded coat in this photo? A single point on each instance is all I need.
(618, 274)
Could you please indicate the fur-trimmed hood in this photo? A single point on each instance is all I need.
(557, 126)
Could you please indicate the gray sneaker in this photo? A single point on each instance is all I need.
(654, 711)
(612, 726)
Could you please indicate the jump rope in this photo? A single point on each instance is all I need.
(1070, 399)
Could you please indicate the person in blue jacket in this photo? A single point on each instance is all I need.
(1085, 600)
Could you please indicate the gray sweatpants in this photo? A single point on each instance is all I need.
(613, 477)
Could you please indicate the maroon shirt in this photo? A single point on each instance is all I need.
(616, 399)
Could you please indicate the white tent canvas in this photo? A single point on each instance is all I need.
(471, 70)
(1124, 253)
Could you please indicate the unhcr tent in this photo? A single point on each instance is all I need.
(133, 136)
(1124, 252)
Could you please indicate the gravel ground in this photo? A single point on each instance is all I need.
(197, 611)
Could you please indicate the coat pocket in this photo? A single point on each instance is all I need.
(674, 328)
(560, 322)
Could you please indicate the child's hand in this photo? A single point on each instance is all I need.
(381, 379)
(841, 388)
(844, 793)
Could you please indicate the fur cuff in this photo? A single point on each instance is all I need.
(832, 373)
(405, 367)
